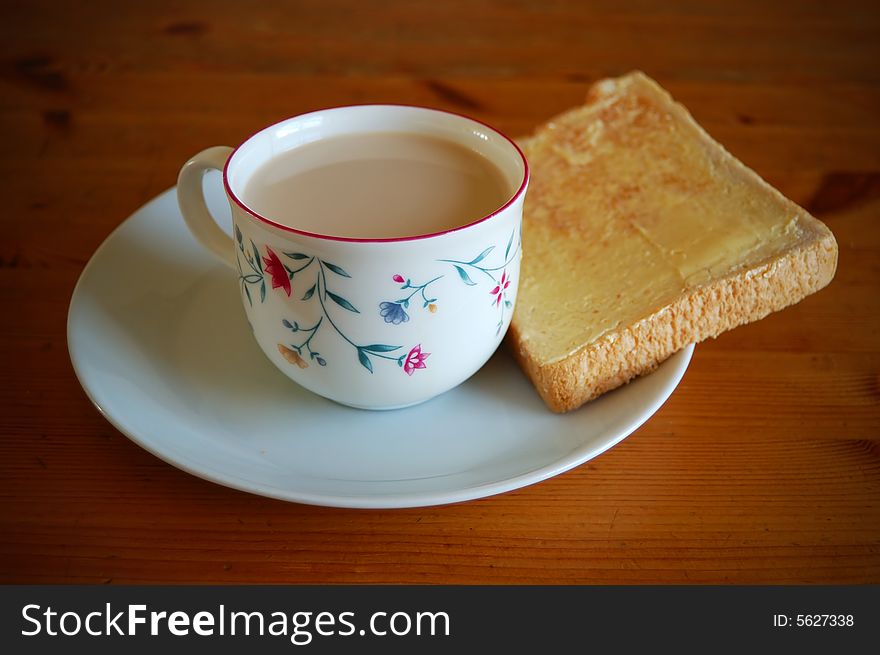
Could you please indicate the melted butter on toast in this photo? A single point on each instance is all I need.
(630, 204)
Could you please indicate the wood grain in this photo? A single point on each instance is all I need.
(764, 466)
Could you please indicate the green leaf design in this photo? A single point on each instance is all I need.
(257, 256)
(482, 255)
(247, 292)
(464, 277)
(336, 269)
(296, 255)
(380, 348)
(263, 291)
(509, 243)
(342, 302)
(309, 293)
(364, 360)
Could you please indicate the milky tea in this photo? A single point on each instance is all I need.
(377, 185)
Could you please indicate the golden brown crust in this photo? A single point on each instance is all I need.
(704, 312)
(747, 293)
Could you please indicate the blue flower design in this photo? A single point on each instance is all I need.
(393, 312)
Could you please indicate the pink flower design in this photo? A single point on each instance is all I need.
(499, 290)
(275, 268)
(398, 278)
(415, 359)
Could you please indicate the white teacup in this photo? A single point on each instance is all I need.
(371, 323)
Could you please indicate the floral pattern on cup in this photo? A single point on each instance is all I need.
(414, 360)
(255, 277)
(479, 269)
(292, 356)
(499, 293)
(276, 270)
(394, 311)
(294, 352)
(300, 351)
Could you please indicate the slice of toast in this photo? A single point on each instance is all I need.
(641, 235)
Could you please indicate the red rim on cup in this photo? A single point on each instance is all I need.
(238, 201)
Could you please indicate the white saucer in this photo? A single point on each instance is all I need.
(208, 402)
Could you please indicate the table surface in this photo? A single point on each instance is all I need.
(763, 467)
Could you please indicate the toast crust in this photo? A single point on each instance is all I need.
(746, 292)
(703, 312)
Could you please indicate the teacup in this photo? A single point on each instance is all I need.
(374, 323)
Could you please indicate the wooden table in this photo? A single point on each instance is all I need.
(764, 466)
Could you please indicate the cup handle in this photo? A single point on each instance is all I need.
(191, 199)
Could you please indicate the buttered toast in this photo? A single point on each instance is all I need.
(641, 235)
